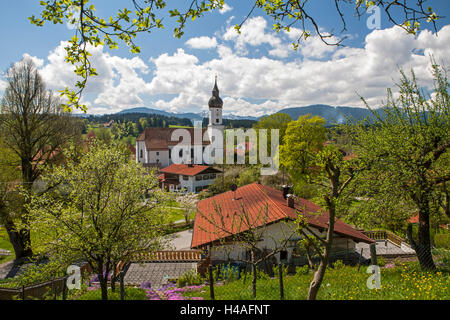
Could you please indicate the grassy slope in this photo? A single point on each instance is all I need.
(404, 282)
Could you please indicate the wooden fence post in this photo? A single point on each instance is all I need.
(54, 289)
(64, 289)
(211, 282)
(359, 260)
(280, 276)
(373, 254)
(122, 288)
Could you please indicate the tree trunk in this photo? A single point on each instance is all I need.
(103, 285)
(320, 273)
(253, 274)
(20, 240)
(423, 247)
(309, 257)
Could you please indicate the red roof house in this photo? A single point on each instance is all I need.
(254, 199)
(190, 177)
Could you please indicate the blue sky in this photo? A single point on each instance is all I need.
(258, 71)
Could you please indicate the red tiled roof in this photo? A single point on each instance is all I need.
(414, 219)
(187, 170)
(160, 138)
(255, 198)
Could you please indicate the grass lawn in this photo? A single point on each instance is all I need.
(177, 214)
(5, 244)
(177, 126)
(402, 282)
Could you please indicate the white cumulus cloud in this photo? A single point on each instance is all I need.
(202, 42)
(225, 8)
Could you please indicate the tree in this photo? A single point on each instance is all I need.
(408, 146)
(308, 158)
(95, 211)
(146, 15)
(9, 177)
(188, 202)
(275, 121)
(34, 127)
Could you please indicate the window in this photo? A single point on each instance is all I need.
(212, 176)
(198, 189)
(180, 153)
(206, 177)
(185, 178)
(142, 153)
(283, 255)
(198, 178)
(157, 153)
(217, 120)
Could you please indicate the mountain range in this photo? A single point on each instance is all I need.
(331, 114)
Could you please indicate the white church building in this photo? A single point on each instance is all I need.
(158, 146)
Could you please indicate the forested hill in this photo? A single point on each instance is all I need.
(331, 114)
(153, 120)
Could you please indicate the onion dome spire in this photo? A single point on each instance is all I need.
(215, 101)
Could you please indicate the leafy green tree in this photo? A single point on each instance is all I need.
(107, 135)
(34, 127)
(93, 209)
(407, 149)
(143, 16)
(309, 159)
(278, 121)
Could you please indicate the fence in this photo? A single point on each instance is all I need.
(45, 290)
(384, 235)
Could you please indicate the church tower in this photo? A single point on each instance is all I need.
(215, 108)
(215, 126)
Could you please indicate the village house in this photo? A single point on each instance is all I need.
(187, 177)
(279, 211)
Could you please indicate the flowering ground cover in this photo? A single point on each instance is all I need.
(398, 282)
(171, 292)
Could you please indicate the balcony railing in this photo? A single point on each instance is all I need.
(381, 235)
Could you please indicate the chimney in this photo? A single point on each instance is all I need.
(290, 200)
(285, 190)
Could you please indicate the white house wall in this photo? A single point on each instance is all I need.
(191, 183)
(274, 236)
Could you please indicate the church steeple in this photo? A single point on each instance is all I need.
(215, 101)
(215, 91)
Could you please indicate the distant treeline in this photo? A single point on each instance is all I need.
(150, 120)
(229, 123)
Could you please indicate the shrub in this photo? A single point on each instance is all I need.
(381, 261)
(300, 271)
(442, 241)
(339, 264)
(190, 278)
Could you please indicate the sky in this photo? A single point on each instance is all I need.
(258, 72)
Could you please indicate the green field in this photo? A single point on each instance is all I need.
(176, 126)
